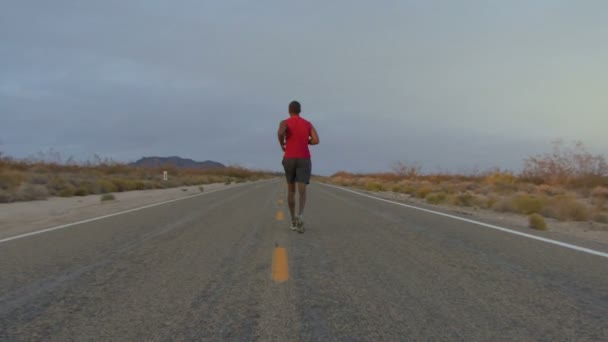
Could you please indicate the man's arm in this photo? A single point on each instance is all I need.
(314, 137)
(282, 134)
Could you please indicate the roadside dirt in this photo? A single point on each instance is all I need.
(594, 234)
(23, 217)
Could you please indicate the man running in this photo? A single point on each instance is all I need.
(295, 134)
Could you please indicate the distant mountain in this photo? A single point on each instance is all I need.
(177, 162)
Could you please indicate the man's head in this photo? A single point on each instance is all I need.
(295, 108)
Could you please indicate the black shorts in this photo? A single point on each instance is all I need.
(297, 170)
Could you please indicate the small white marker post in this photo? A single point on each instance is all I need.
(165, 176)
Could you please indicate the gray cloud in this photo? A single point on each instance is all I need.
(450, 85)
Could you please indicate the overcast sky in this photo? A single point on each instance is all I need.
(454, 85)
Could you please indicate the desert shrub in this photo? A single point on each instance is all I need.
(423, 192)
(150, 185)
(599, 197)
(139, 185)
(578, 212)
(501, 181)
(114, 169)
(81, 191)
(565, 208)
(31, 192)
(107, 197)
(189, 181)
(551, 211)
(41, 168)
(390, 185)
(550, 190)
(105, 186)
(374, 186)
(340, 181)
(211, 180)
(240, 180)
(470, 186)
(40, 179)
(342, 174)
(6, 197)
(90, 187)
(227, 181)
(600, 192)
(490, 201)
(536, 221)
(455, 187)
(56, 184)
(480, 201)
(72, 180)
(600, 217)
(404, 188)
(67, 191)
(201, 188)
(572, 166)
(200, 180)
(436, 198)
(11, 180)
(68, 178)
(171, 183)
(410, 190)
(527, 188)
(463, 199)
(528, 204)
(122, 184)
(486, 190)
(504, 205)
(402, 169)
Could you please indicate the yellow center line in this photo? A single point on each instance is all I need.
(280, 271)
(280, 216)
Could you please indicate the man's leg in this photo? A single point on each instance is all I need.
(291, 200)
(303, 172)
(302, 193)
(290, 174)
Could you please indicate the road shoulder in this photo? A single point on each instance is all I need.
(25, 217)
(593, 236)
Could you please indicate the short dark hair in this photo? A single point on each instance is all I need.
(294, 107)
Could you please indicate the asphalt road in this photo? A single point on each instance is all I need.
(207, 268)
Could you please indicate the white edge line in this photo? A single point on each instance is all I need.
(46, 230)
(487, 225)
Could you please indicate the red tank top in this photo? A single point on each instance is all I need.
(298, 133)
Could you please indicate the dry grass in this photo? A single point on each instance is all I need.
(528, 204)
(567, 166)
(26, 180)
(504, 205)
(107, 197)
(465, 199)
(599, 197)
(568, 184)
(31, 192)
(436, 198)
(567, 208)
(537, 222)
(600, 217)
(423, 192)
(374, 186)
